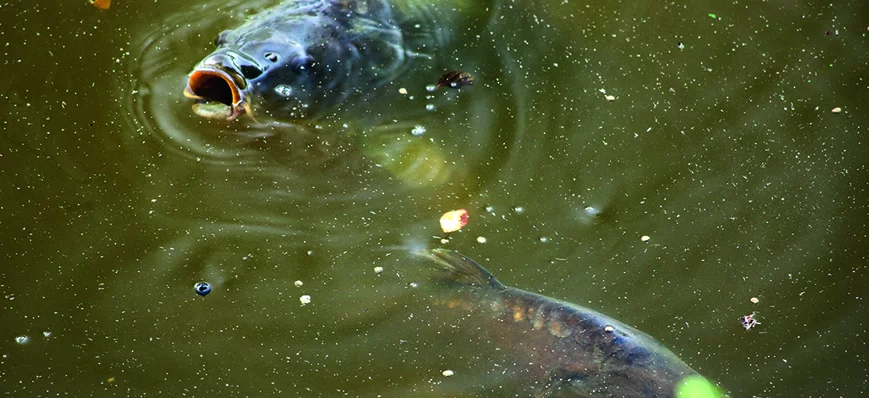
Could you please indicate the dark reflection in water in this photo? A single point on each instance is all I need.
(116, 199)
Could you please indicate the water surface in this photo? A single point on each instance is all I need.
(720, 146)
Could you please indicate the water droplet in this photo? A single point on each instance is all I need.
(22, 339)
(429, 107)
(202, 288)
(418, 130)
(284, 90)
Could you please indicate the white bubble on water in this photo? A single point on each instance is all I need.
(518, 209)
(418, 130)
(429, 107)
(22, 339)
(431, 88)
(284, 90)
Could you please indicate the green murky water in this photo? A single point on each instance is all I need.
(721, 146)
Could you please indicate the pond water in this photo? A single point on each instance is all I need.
(719, 173)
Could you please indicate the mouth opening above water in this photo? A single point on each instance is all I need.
(213, 85)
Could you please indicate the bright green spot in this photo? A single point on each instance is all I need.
(810, 80)
(712, 16)
(697, 387)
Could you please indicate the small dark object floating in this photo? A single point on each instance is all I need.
(202, 288)
(455, 79)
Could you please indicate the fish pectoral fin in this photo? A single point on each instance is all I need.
(564, 383)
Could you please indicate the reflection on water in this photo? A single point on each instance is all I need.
(723, 151)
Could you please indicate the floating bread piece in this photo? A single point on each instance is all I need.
(454, 220)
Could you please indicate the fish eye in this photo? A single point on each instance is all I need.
(271, 57)
(302, 63)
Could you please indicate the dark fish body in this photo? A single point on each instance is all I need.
(305, 58)
(573, 351)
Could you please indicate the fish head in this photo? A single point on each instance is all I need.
(293, 70)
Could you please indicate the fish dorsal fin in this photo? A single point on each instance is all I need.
(457, 268)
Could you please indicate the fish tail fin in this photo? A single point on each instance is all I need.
(459, 269)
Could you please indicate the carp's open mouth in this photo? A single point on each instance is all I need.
(219, 93)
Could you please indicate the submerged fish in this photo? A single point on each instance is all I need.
(576, 351)
(303, 58)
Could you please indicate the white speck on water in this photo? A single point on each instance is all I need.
(610, 98)
(429, 107)
(518, 209)
(448, 373)
(481, 239)
(46, 334)
(592, 211)
(378, 270)
(414, 285)
(445, 241)
(22, 339)
(754, 300)
(418, 130)
(305, 299)
(284, 90)
(310, 252)
(609, 328)
(402, 91)
(489, 209)
(837, 110)
(298, 283)
(431, 88)
(645, 238)
(544, 239)
(681, 45)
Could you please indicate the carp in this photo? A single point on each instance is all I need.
(302, 59)
(575, 351)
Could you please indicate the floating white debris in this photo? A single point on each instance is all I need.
(645, 238)
(448, 373)
(754, 300)
(22, 339)
(418, 130)
(610, 98)
(609, 329)
(402, 91)
(378, 270)
(298, 283)
(481, 239)
(837, 110)
(305, 299)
